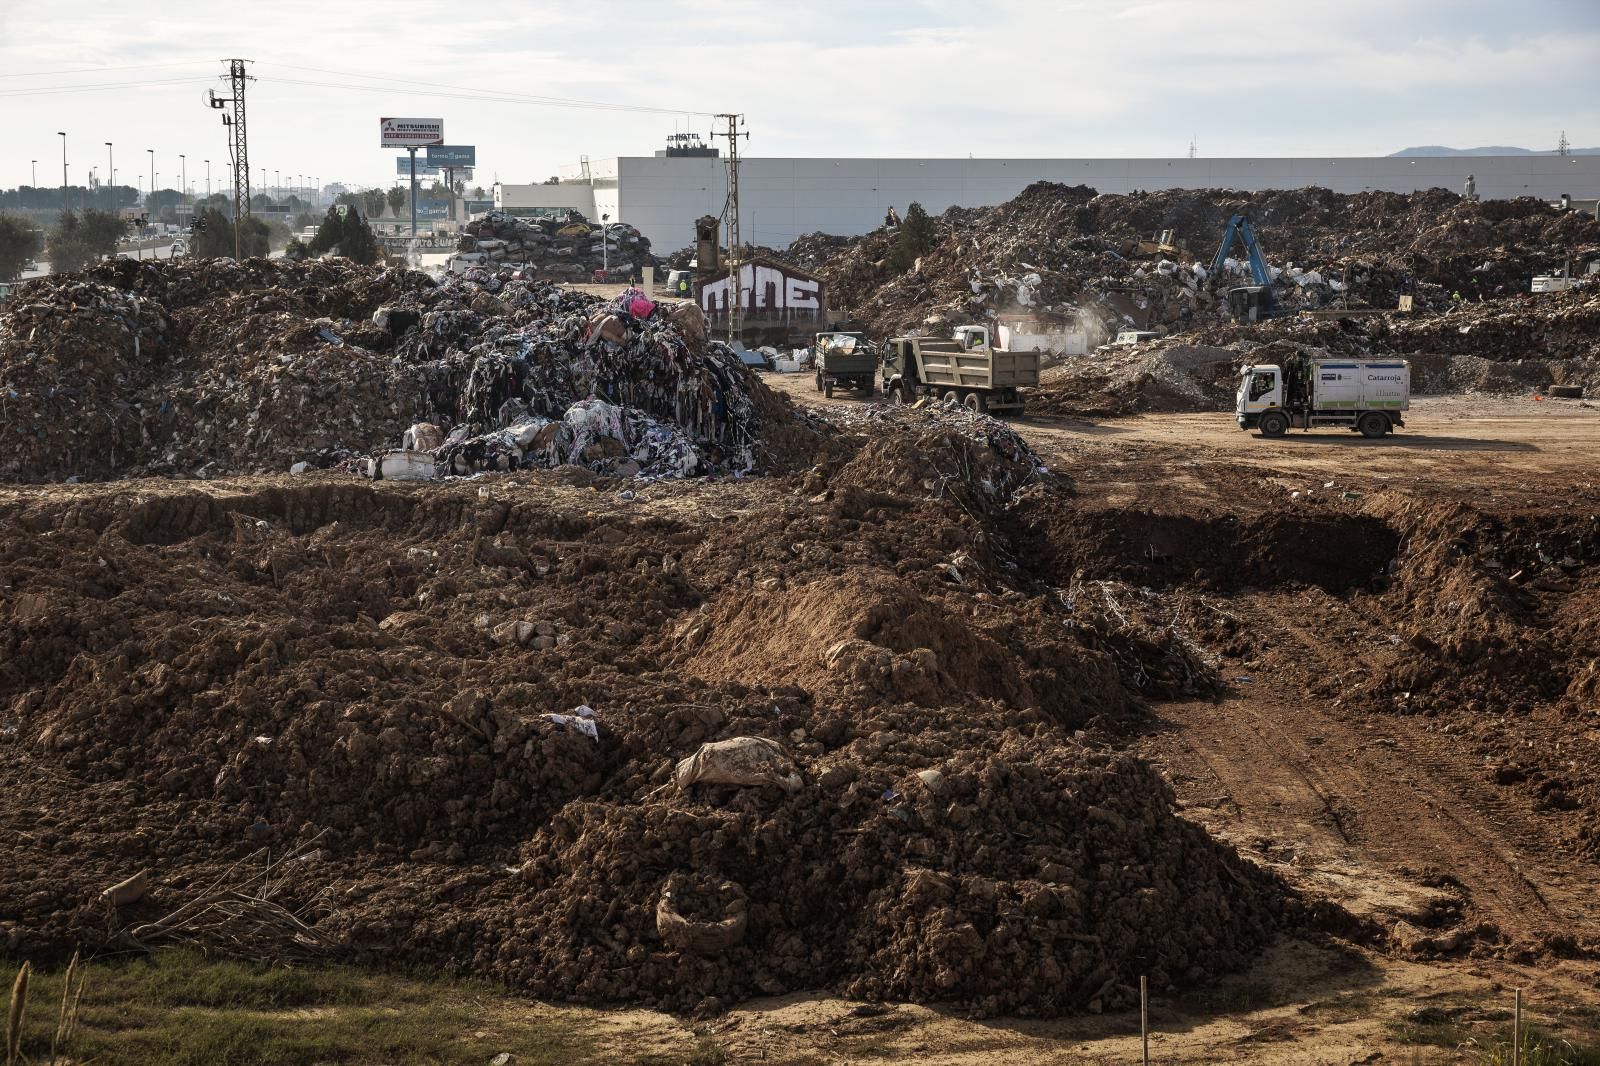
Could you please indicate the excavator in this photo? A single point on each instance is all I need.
(1249, 303)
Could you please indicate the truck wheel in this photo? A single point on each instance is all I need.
(827, 387)
(908, 393)
(1372, 425)
(819, 381)
(978, 402)
(951, 397)
(1274, 424)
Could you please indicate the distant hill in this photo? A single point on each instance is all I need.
(1494, 149)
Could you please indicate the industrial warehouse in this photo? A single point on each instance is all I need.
(711, 607)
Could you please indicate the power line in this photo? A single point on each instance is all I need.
(537, 97)
(480, 97)
(97, 70)
(54, 90)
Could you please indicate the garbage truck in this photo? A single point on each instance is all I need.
(967, 368)
(1369, 398)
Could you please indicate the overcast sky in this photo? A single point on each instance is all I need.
(1056, 78)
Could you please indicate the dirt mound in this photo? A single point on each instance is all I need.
(209, 367)
(1159, 376)
(478, 696)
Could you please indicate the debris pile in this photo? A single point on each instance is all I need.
(569, 248)
(1163, 375)
(1071, 252)
(208, 367)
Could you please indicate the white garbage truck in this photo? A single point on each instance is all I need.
(1365, 397)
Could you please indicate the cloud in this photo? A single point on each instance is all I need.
(827, 78)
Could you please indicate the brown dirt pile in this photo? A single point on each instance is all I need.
(186, 677)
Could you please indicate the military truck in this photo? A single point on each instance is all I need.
(845, 359)
(967, 368)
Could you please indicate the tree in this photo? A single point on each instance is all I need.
(396, 199)
(254, 238)
(213, 236)
(915, 239)
(18, 242)
(371, 202)
(78, 241)
(295, 250)
(358, 243)
(330, 233)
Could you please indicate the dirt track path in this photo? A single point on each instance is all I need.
(1486, 444)
(1379, 812)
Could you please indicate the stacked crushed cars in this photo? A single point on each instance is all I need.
(569, 248)
(210, 367)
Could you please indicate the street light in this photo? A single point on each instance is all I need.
(63, 136)
(183, 182)
(153, 202)
(35, 163)
(111, 171)
(208, 179)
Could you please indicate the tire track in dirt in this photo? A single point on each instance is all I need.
(1379, 798)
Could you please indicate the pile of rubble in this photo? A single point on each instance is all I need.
(209, 367)
(1072, 253)
(1169, 375)
(569, 248)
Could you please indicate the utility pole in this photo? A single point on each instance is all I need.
(1562, 146)
(208, 179)
(111, 173)
(735, 285)
(238, 144)
(183, 188)
(64, 205)
(153, 200)
(413, 151)
(35, 163)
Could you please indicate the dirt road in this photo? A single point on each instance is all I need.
(1490, 444)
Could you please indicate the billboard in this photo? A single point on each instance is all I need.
(431, 209)
(478, 207)
(402, 167)
(410, 132)
(452, 155)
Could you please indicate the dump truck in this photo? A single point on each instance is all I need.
(1306, 392)
(844, 360)
(966, 368)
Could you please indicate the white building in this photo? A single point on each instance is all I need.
(779, 199)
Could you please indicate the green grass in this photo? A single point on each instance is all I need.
(180, 1009)
(1538, 1049)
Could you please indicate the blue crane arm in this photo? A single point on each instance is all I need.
(1239, 229)
(1258, 262)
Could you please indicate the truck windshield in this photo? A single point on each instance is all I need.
(1260, 385)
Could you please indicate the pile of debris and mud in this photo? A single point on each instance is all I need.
(1097, 263)
(564, 248)
(202, 368)
(700, 743)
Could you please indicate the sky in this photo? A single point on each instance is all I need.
(998, 78)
